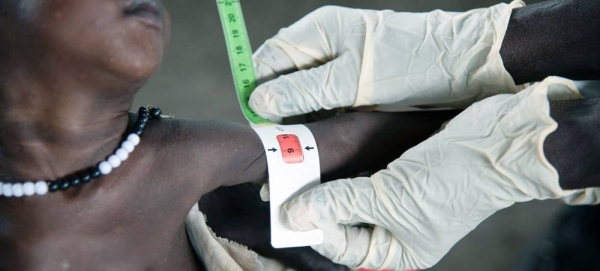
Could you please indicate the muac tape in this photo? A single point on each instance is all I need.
(291, 151)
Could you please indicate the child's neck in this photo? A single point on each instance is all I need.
(48, 130)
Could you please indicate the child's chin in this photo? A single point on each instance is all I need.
(137, 71)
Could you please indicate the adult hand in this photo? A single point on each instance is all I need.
(487, 158)
(366, 57)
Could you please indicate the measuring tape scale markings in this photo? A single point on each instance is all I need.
(291, 150)
(240, 56)
(293, 167)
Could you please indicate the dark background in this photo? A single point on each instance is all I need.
(195, 83)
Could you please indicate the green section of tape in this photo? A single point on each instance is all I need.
(240, 55)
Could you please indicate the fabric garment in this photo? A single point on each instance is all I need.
(221, 254)
(237, 213)
(218, 253)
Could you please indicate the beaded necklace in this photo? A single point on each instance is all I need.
(42, 187)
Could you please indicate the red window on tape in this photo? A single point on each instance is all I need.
(291, 149)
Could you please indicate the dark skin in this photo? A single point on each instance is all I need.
(359, 141)
(561, 38)
(550, 38)
(70, 70)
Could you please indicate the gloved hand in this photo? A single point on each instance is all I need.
(366, 57)
(487, 158)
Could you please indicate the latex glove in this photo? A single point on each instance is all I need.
(487, 158)
(264, 192)
(366, 57)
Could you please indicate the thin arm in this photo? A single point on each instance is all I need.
(348, 144)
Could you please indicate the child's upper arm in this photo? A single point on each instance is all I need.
(210, 154)
(214, 153)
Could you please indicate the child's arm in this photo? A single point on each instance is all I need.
(228, 154)
(198, 157)
(348, 144)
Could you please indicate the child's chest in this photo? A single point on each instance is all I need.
(104, 227)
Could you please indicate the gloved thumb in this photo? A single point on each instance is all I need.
(331, 85)
(344, 201)
(335, 207)
(362, 247)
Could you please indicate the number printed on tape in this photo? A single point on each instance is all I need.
(291, 149)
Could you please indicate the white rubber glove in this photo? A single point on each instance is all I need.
(366, 57)
(487, 158)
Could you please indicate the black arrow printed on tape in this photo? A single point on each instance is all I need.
(308, 148)
(272, 149)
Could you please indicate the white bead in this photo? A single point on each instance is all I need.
(105, 167)
(128, 146)
(17, 190)
(7, 190)
(114, 161)
(122, 154)
(41, 188)
(28, 189)
(1, 185)
(134, 139)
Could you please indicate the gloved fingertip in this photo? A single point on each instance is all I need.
(264, 193)
(292, 217)
(257, 100)
(260, 104)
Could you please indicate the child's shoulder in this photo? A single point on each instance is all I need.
(171, 132)
(219, 151)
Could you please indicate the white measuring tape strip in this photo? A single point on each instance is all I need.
(291, 150)
(293, 159)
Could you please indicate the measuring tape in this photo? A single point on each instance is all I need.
(291, 150)
(240, 56)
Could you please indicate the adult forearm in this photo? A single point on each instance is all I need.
(560, 37)
(573, 149)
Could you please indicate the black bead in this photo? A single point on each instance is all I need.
(139, 126)
(155, 113)
(74, 181)
(85, 177)
(142, 120)
(143, 111)
(144, 115)
(63, 184)
(53, 186)
(95, 172)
